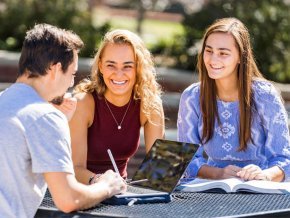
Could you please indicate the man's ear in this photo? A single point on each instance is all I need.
(54, 70)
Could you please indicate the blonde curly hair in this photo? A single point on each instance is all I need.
(146, 87)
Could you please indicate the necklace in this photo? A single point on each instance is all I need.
(118, 125)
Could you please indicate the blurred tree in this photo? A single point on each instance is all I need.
(17, 16)
(142, 6)
(268, 22)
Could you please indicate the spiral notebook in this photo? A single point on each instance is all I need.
(161, 169)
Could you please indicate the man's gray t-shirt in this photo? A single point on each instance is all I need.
(34, 139)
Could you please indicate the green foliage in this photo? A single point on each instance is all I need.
(268, 22)
(17, 16)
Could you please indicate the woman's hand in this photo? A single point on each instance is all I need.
(253, 172)
(209, 172)
(229, 171)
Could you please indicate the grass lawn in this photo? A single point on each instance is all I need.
(153, 31)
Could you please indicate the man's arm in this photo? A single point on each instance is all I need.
(70, 195)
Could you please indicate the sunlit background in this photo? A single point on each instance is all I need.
(171, 29)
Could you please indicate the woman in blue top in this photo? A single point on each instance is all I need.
(234, 113)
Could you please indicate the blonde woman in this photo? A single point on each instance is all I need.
(234, 113)
(121, 97)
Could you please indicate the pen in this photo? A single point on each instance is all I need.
(113, 161)
(132, 201)
(137, 181)
(117, 171)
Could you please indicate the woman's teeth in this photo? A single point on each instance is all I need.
(119, 82)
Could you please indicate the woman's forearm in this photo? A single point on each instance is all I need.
(208, 172)
(275, 174)
(82, 174)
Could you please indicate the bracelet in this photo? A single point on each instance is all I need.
(91, 179)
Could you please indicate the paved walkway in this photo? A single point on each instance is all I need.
(4, 86)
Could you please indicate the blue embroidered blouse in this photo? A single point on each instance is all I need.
(270, 133)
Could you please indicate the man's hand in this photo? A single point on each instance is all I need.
(114, 182)
(68, 106)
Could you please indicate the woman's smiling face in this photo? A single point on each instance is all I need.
(221, 56)
(118, 67)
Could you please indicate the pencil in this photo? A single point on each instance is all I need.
(137, 181)
(113, 161)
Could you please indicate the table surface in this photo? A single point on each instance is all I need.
(187, 205)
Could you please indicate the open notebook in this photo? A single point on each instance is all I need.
(162, 168)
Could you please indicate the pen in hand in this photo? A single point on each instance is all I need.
(137, 181)
(117, 171)
(113, 161)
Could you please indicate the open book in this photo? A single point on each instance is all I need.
(235, 185)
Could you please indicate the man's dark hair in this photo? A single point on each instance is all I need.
(45, 45)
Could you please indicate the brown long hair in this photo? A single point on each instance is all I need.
(247, 70)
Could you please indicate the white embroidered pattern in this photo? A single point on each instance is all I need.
(285, 134)
(226, 114)
(280, 118)
(188, 119)
(226, 130)
(277, 100)
(230, 157)
(263, 88)
(286, 150)
(226, 104)
(282, 164)
(226, 146)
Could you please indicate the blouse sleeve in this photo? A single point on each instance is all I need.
(275, 121)
(187, 128)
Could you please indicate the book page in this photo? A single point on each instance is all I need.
(199, 185)
(260, 186)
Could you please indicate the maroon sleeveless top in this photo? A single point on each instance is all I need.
(104, 134)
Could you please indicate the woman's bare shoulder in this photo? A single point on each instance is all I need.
(85, 105)
(84, 98)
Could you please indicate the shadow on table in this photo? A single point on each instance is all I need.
(53, 213)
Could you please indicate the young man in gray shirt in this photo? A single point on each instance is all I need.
(34, 135)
